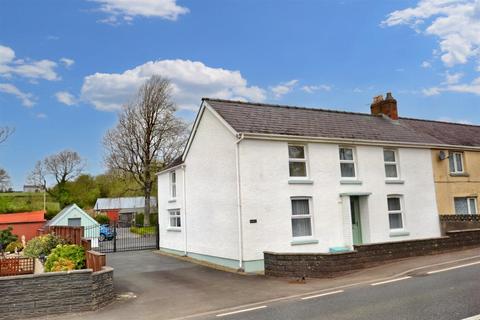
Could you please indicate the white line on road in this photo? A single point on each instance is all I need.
(321, 295)
(388, 281)
(240, 311)
(477, 317)
(452, 268)
(295, 296)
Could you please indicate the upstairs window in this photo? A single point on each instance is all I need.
(465, 205)
(175, 219)
(173, 184)
(395, 213)
(456, 162)
(301, 217)
(391, 164)
(297, 161)
(347, 163)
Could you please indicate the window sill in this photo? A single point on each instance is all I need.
(350, 181)
(172, 200)
(459, 174)
(174, 229)
(300, 181)
(399, 233)
(306, 241)
(394, 181)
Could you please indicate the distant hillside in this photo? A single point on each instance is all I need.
(26, 201)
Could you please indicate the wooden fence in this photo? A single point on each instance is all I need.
(12, 266)
(71, 234)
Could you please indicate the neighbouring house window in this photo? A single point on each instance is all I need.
(347, 162)
(175, 219)
(391, 163)
(297, 161)
(395, 214)
(301, 217)
(173, 184)
(456, 162)
(465, 205)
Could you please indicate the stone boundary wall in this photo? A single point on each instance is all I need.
(327, 265)
(449, 222)
(55, 293)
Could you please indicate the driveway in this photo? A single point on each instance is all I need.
(153, 286)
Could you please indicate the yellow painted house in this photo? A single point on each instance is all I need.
(457, 180)
(455, 151)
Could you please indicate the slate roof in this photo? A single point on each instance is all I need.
(247, 117)
(123, 203)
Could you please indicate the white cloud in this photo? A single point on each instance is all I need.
(313, 88)
(447, 119)
(67, 62)
(190, 80)
(426, 64)
(41, 115)
(433, 91)
(41, 69)
(66, 98)
(125, 10)
(456, 24)
(357, 90)
(283, 88)
(27, 99)
(473, 87)
(453, 78)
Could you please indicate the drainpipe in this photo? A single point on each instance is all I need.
(239, 204)
(184, 191)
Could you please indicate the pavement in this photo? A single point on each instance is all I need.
(154, 286)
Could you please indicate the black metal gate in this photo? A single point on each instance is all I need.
(116, 238)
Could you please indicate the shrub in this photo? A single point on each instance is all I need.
(42, 245)
(65, 257)
(139, 219)
(12, 245)
(102, 219)
(6, 237)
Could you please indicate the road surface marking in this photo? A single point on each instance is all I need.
(239, 311)
(452, 268)
(296, 296)
(388, 281)
(322, 294)
(477, 317)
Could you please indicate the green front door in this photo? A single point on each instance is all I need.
(356, 224)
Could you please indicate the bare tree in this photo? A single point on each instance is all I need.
(5, 132)
(4, 180)
(147, 137)
(63, 167)
(38, 176)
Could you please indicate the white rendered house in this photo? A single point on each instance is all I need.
(258, 177)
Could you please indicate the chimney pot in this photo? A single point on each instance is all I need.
(387, 106)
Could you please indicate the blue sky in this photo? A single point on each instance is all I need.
(67, 66)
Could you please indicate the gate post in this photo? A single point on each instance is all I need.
(115, 236)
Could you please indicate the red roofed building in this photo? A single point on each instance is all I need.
(23, 223)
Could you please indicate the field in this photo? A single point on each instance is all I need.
(26, 201)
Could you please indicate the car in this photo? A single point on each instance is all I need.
(106, 233)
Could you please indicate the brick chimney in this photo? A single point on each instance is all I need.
(387, 106)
